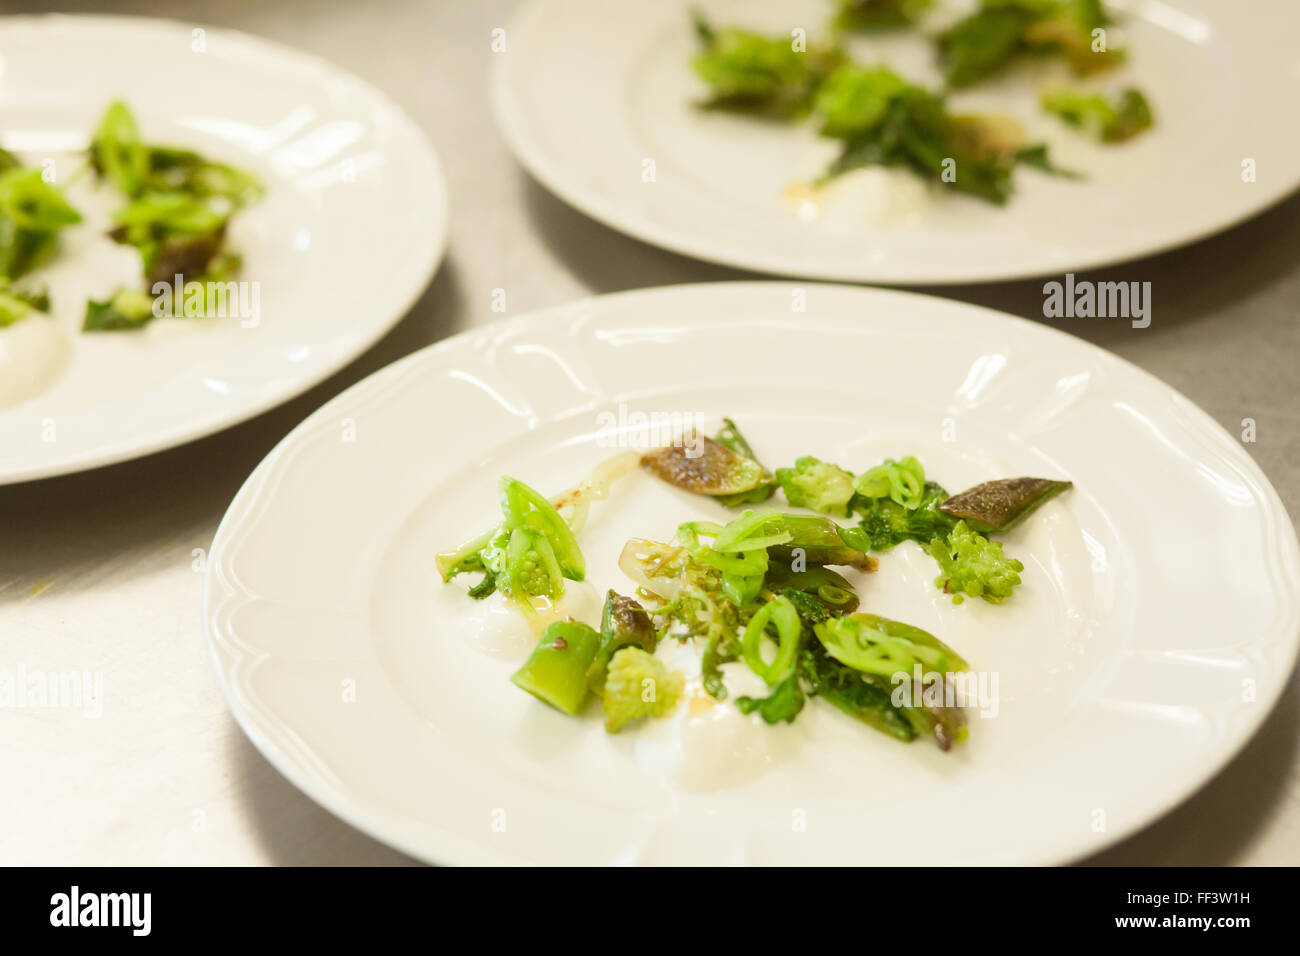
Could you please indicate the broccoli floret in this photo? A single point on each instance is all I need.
(971, 564)
(1097, 116)
(818, 485)
(638, 685)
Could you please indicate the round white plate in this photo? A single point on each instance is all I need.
(1156, 624)
(350, 231)
(589, 94)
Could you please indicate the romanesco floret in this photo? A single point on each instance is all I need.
(971, 564)
(638, 685)
(818, 485)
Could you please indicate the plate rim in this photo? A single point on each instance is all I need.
(426, 154)
(451, 848)
(569, 188)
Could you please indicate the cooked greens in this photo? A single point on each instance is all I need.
(767, 76)
(881, 119)
(1002, 31)
(1098, 116)
(32, 212)
(18, 303)
(868, 15)
(759, 591)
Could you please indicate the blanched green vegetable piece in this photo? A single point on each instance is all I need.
(525, 507)
(623, 623)
(1098, 117)
(32, 212)
(638, 686)
(816, 484)
(901, 481)
(829, 589)
(729, 437)
(705, 467)
(972, 565)
(868, 15)
(556, 670)
(782, 705)
(17, 304)
(997, 506)
(885, 522)
(135, 168)
(175, 234)
(858, 695)
(750, 73)
(819, 541)
(876, 645)
(117, 152)
(886, 653)
(125, 311)
(781, 615)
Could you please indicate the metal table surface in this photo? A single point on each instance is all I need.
(97, 571)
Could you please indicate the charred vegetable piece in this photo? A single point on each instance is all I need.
(1098, 117)
(729, 437)
(997, 506)
(639, 686)
(556, 670)
(768, 76)
(970, 565)
(124, 311)
(868, 15)
(32, 212)
(176, 235)
(816, 484)
(623, 623)
(705, 467)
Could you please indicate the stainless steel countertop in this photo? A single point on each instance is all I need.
(97, 571)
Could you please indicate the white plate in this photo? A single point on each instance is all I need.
(587, 92)
(352, 227)
(1156, 625)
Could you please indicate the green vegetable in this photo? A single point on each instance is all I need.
(868, 15)
(556, 670)
(528, 555)
(830, 590)
(623, 623)
(730, 438)
(903, 482)
(783, 704)
(639, 686)
(1001, 31)
(175, 234)
(816, 484)
(860, 696)
(779, 613)
(876, 645)
(885, 121)
(32, 212)
(750, 73)
(819, 541)
(885, 522)
(16, 304)
(125, 310)
(972, 565)
(998, 506)
(887, 653)
(135, 168)
(1097, 116)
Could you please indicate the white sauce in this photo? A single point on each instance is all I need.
(33, 352)
(872, 196)
(496, 627)
(707, 744)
